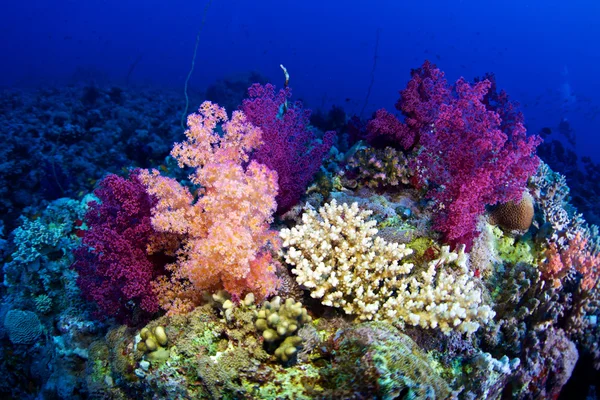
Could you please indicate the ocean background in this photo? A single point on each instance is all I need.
(544, 53)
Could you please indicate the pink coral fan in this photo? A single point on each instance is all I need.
(227, 242)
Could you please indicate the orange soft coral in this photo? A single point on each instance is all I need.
(225, 232)
(575, 257)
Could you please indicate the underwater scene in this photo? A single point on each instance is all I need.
(228, 199)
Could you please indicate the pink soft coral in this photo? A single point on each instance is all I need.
(226, 237)
(574, 257)
(470, 146)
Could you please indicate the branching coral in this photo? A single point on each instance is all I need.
(551, 193)
(445, 295)
(336, 255)
(378, 168)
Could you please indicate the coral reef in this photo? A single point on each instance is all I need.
(410, 256)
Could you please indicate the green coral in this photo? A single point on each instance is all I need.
(511, 250)
(43, 304)
(279, 323)
(299, 382)
(154, 344)
(376, 360)
(420, 245)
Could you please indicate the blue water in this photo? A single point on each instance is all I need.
(542, 52)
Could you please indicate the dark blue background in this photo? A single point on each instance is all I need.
(328, 47)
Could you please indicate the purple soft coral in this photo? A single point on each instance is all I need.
(114, 269)
(290, 148)
(469, 157)
(471, 147)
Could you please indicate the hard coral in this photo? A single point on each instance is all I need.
(378, 168)
(514, 215)
(376, 360)
(336, 254)
(23, 327)
(279, 322)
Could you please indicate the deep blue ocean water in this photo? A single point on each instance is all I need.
(542, 52)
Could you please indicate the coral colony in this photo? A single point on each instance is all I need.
(425, 253)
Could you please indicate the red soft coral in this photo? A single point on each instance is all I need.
(115, 271)
(558, 262)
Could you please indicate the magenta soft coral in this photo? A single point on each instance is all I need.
(470, 162)
(290, 148)
(385, 129)
(114, 269)
(465, 153)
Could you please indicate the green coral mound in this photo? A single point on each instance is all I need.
(154, 343)
(376, 360)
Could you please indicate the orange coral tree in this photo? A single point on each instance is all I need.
(225, 235)
(559, 262)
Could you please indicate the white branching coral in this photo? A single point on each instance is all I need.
(445, 295)
(336, 255)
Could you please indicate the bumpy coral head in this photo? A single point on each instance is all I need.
(514, 215)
